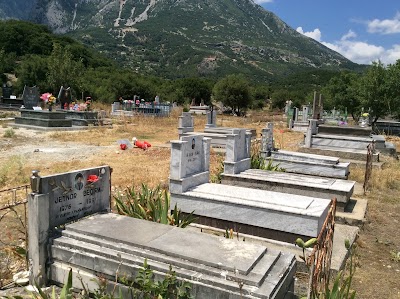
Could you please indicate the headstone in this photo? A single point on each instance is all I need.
(64, 97)
(211, 118)
(190, 162)
(237, 157)
(185, 123)
(305, 112)
(7, 91)
(30, 97)
(317, 106)
(295, 113)
(288, 106)
(267, 140)
(59, 199)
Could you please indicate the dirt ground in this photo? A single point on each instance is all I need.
(22, 150)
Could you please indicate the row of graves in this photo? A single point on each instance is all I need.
(71, 227)
(299, 120)
(62, 114)
(352, 143)
(138, 106)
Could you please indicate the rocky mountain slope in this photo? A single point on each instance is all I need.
(180, 38)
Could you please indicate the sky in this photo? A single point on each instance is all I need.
(361, 30)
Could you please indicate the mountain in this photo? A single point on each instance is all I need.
(181, 38)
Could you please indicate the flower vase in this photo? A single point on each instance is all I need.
(51, 108)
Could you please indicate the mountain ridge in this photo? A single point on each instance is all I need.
(181, 38)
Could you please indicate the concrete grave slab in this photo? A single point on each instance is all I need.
(211, 264)
(293, 184)
(265, 213)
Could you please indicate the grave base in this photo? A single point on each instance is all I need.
(212, 265)
(306, 185)
(291, 215)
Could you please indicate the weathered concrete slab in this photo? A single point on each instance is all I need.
(293, 184)
(266, 213)
(228, 130)
(303, 157)
(310, 164)
(339, 253)
(342, 153)
(345, 130)
(211, 264)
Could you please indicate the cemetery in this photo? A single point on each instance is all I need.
(72, 222)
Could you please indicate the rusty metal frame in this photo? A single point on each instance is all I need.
(319, 261)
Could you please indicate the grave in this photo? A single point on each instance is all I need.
(388, 127)
(238, 154)
(218, 135)
(30, 97)
(42, 118)
(300, 118)
(103, 244)
(301, 163)
(258, 212)
(343, 146)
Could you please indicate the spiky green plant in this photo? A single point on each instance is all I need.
(151, 204)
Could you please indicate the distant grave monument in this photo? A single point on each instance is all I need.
(64, 97)
(30, 97)
(7, 91)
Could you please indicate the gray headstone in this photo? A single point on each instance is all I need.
(190, 162)
(237, 157)
(30, 97)
(211, 119)
(267, 140)
(59, 199)
(185, 123)
(305, 112)
(7, 91)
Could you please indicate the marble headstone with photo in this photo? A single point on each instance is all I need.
(59, 199)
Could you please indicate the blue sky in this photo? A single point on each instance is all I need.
(361, 30)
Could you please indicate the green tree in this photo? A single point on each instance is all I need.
(342, 93)
(393, 81)
(374, 91)
(63, 70)
(234, 92)
(32, 70)
(197, 89)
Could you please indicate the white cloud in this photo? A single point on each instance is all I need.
(263, 1)
(316, 34)
(350, 34)
(385, 26)
(357, 51)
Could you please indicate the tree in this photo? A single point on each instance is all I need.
(63, 70)
(374, 91)
(342, 93)
(393, 81)
(197, 89)
(234, 92)
(31, 71)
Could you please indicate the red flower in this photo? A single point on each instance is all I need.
(92, 178)
(123, 146)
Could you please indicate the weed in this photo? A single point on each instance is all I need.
(9, 133)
